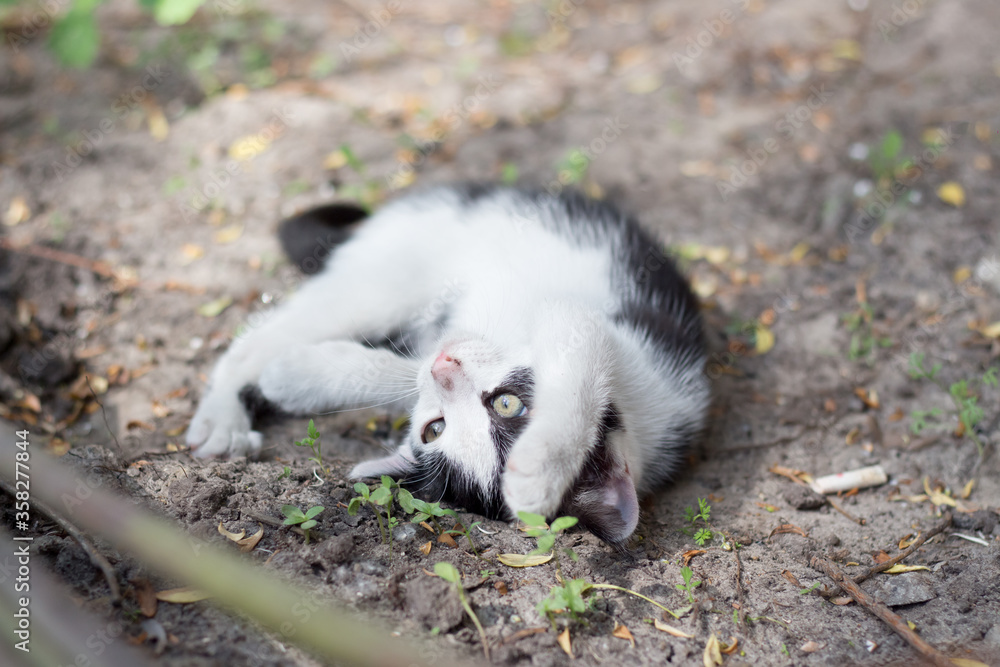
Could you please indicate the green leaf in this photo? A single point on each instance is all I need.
(388, 482)
(74, 38)
(308, 524)
(563, 523)
(420, 516)
(531, 519)
(892, 143)
(447, 572)
(354, 506)
(175, 12)
(291, 511)
(381, 496)
(311, 430)
(405, 499)
(363, 489)
(313, 511)
(545, 544)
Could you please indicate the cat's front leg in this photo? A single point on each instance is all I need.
(337, 375)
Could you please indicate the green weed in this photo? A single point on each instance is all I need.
(304, 520)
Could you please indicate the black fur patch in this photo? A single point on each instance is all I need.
(585, 499)
(310, 237)
(436, 478)
(259, 408)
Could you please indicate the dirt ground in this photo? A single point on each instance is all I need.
(737, 131)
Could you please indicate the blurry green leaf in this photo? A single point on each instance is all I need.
(447, 572)
(563, 523)
(175, 12)
(74, 39)
(531, 519)
(308, 524)
(313, 511)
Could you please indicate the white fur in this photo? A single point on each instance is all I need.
(518, 294)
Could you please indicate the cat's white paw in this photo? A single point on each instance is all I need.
(221, 428)
(528, 489)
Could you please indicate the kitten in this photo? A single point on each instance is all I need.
(550, 356)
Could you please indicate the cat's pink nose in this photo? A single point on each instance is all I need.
(444, 368)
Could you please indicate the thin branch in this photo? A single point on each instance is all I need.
(880, 610)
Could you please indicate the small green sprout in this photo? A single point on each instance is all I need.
(965, 399)
(304, 520)
(380, 497)
(287, 472)
(807, 591)
(312, 442)
(687, 574)
(864, 342)
(422, 511)
(703, 534)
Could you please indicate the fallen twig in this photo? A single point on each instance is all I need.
(879, 609)
(831, 503)
(98, 560)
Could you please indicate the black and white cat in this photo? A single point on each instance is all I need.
(549, 354)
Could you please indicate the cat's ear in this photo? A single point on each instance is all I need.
(604, 498)
(309, 237)
(398, 464)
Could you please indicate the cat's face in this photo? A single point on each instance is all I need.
(475, 399)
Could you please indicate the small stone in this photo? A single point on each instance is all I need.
(803, 498)
(900, 589)
(432, 602)
(404, 533)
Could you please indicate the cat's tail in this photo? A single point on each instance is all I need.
(309, 237)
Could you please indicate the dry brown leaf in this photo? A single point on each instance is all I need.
(899, 568)
(229, 233)
(713, 653)
(248, 543)
(787, 528)
(424, 524)
(145, 595)
(800, 477)
(670, 630)
(730, 647)
(767, 506)
(524, 560)
(906, 541)
(30, 402)
(235, 537)
(622, 632)
(843, 600)
(501, 587)
(881, 557)
(811, 647)
(160, 410)
(182, 595)
(952, 193)
(135, 423)
(966, 662)
(564, 643)
(425, 549)
(967, 489)
(688, 555)
(792, 579)
(868, 397)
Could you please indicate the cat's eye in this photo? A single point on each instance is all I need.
(433, 431)
(509, 405)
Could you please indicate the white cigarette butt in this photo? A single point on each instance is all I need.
(852, 479)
